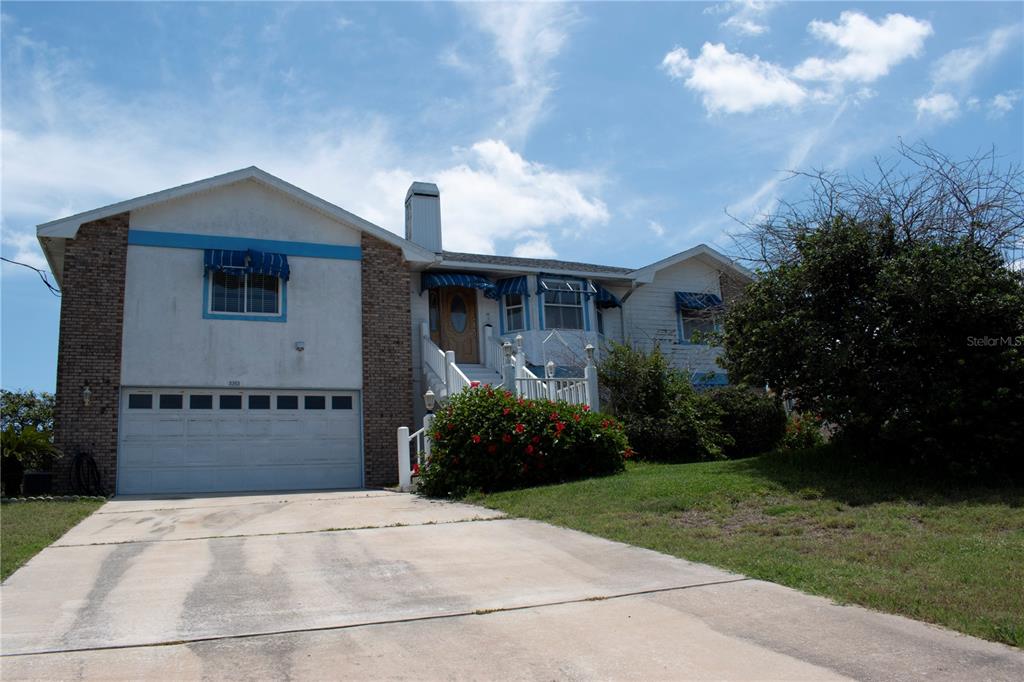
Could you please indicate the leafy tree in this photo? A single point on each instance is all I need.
(26, 409)
(664, 417)
(913, 349)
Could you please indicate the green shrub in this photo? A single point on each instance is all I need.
(803, 432)
(755, 420)
(665, 419)
(485, 439)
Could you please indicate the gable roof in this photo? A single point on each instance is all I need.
(67, 228)
(646, 274)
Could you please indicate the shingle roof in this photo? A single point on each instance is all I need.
(544, 264)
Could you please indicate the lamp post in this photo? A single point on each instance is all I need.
(86, 395)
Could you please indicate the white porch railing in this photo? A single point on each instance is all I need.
(445, 378)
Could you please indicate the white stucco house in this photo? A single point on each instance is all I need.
(238, 333)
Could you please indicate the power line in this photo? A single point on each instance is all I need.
(42, 275)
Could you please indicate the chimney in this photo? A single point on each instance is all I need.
(423, 215)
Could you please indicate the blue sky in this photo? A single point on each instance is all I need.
(611, 133)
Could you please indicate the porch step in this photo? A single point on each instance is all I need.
(485, 375)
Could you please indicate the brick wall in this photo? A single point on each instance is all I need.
(89, 350)
(387, 357)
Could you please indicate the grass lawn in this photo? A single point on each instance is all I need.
(949, 556)
(28, 527)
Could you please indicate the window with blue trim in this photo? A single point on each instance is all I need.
(695, 327)
(244, 293)
(515, 313)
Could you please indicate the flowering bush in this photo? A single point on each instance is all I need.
(803, 432)
(486, 439)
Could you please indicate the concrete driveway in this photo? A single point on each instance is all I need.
(379, 584)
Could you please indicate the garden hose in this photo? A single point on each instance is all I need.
(85, 476)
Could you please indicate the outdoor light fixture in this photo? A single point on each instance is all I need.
(589, 350)
(300, 346)
(428, 400)
(507, 347)
(86, 395)
(550, 367)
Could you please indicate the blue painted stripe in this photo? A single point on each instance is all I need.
(184, 240)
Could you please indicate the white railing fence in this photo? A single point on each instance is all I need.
(445, 378)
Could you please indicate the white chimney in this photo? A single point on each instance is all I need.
(423, 215)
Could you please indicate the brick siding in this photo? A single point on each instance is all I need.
(387, 357)
(89, 350)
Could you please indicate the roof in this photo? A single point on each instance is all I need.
(531, 264)
(67, 228)
(642, 275)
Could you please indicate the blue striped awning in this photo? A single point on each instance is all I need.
(437, 280)
(509, 285)
(689, 300)
(256, 262)
(605, 299)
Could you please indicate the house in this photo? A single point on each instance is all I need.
(239, 333)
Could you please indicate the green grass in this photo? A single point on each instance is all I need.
(28, 527)
(946, 555)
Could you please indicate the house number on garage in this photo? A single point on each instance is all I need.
(234, 383)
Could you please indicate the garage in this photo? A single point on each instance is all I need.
(175, 440)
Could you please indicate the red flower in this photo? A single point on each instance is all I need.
(415, 468)
(476, 438)
(559, 427)
(451, 426)
(520, 428)
(474, 384)
(536, 439)
(529, 449)
(554, 416)
(604, 424)
(576, 417)
(506, 438)
(505, 411)
(508, 394)
(492, 448)
(522, 402)
(586, 408)
(437, 435)
(628, 454)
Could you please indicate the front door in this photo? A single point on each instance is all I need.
(458, 323)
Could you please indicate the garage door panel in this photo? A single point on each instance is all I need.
(214, 450)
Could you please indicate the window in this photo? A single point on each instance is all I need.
(259, 402)
(244, 293)
(200, 402)
(287, 402)
(140, 401)
(693, 328)
(231, 402)
(600, 321)
(171, 401)
(315, 402)
(515, 313)
(563, 303)
(341, 402)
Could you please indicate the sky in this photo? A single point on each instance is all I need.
(615, 133)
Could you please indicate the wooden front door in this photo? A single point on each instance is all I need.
(458, 325)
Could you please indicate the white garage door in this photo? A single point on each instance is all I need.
(195, 441)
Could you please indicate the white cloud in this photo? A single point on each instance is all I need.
(497, 194)
(732, 82)
(538, 247)
(657, 228)
(527, 38)
(941, 106)
(746, 17)
(871, 48)
(22, 246)
(1003, 103)
(93, 147)
(960, 66)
